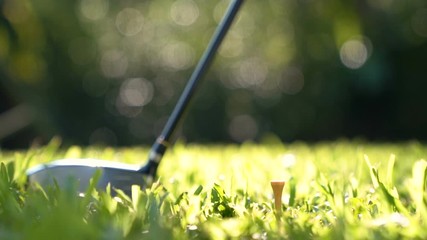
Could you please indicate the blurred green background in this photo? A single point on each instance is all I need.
(110, 72)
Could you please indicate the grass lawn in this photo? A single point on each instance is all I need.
(334, 190)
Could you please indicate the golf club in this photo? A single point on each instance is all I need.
(123, 176)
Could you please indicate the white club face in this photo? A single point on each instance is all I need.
(80, 172)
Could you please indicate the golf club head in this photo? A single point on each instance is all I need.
(81, 171)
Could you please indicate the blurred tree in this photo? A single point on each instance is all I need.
(101, 71)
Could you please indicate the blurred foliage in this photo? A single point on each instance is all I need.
(101, 71)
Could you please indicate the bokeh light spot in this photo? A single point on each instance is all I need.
(177, 55)
(125, 110)
(243, 128)
(292, 81)
(129, 21)
(184, 12)
(245, 25)
(94, 9)
(288, 160)
(354, 53)
(249, 73)
(136, 92)
(114, 63)
(232, 47)
(219, 10)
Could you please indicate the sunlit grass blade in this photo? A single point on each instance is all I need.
(389, 192)
(417, 187)
(91, 188)
(372, 171)
(390, 168)
(198, 190)
(292, 192)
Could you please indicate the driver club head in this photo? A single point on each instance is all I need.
(79, 172)
(123, 176)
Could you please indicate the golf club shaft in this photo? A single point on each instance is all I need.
(162, 142)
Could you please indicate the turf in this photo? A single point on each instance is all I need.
(334, 190)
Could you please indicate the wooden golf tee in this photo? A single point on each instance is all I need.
(277, 186)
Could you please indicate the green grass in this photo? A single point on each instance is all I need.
(334, 190)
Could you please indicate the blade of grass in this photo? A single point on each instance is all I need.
(372, 171)
(417, 188)
(390, 167)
